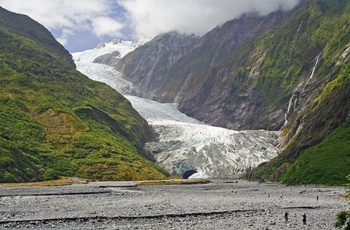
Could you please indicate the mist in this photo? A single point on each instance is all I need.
(153, 17)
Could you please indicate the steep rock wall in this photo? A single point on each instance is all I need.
(162, 66)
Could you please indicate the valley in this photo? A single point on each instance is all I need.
(183, 143)
(265, 94)
(219, 204)
(256, 107)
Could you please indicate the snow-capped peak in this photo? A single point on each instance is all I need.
(104, 44)
(123, 47)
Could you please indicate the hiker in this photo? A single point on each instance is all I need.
(304, 218)
(317, 198)
(286, 216)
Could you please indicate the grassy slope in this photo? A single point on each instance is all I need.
(286, 56)
(327, 33)
(55, 121)
(325, 163)
(321, 139)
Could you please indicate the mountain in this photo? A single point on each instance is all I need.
(109, 52)
(150, 63)
(54, 121)
(286, 71)
(316, 78)
(173, 60)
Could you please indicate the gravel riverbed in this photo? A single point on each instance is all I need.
(218, 204)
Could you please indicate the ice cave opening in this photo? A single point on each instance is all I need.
(189, 173)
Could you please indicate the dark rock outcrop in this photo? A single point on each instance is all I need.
(108, 59)
(147, 67)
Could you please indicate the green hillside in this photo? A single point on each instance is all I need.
(325, 163)
(54, 121)
(315, 150)
(320, 141)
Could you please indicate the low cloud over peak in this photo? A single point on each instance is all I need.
(82, 24)
(152, 17)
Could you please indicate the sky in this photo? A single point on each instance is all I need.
(83, 24)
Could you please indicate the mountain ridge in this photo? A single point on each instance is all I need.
(213, 49)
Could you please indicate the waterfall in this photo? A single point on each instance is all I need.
(313, 71)
(288, 109)
(294, 98)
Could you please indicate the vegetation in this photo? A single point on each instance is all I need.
(55, 122)
(310, 167)
(59, 182)
(343, 217)
(316, 151)
(342, 220)
(285, 57)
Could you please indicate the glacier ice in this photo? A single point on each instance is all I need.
(184, 143)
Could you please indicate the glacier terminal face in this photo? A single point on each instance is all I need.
(213, 152)
(185, 144)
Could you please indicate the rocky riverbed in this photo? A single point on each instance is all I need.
(215, 205)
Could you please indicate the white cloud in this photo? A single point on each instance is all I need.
(69, 16)
(152, 17)
(74, 21)
(106, 25)
(63, 39)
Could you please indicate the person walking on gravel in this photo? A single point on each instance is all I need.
(304, 218)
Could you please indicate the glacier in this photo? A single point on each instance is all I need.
(184, 143)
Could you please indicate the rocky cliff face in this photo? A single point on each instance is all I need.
(148, 65)
(108, 59)
(163, 67)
